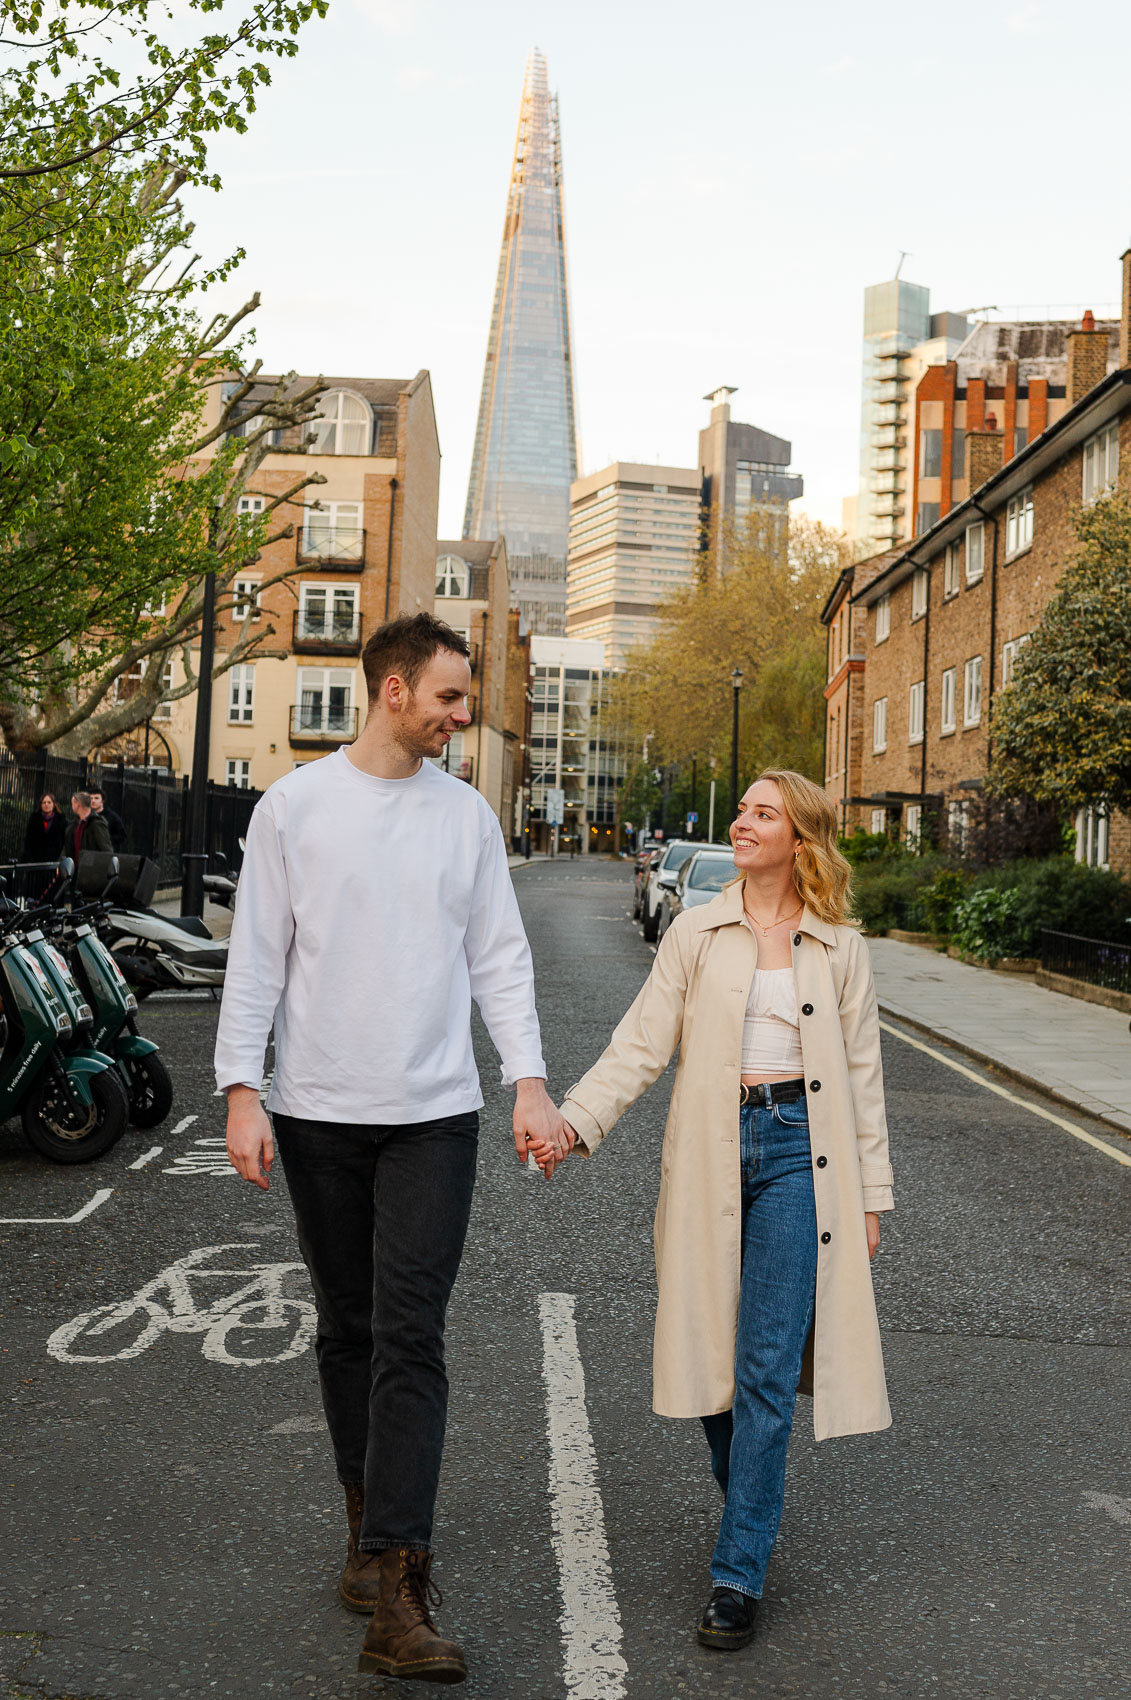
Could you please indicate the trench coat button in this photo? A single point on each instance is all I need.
(825, 1238)
(821, 1162)
(814, 1086)
(806, 1009)
(797, 938)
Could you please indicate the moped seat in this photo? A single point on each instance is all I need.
(188, 924)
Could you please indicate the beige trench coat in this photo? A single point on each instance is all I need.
(695, 997)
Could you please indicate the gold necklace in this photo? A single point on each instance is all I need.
(767, 930)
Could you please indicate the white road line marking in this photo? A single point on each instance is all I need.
(1117, 1508)
(1123, 1157)
(100, 1197)
(185, 1121)
(147, 1157)
(595, 1668)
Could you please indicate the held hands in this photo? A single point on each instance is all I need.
(539, 1128)
(251, 1148)
(872, 1228)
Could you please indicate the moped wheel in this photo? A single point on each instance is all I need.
(69, 1133)
(150, 1086)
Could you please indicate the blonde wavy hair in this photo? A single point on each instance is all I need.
(821, 874)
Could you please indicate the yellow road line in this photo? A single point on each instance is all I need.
(1003, 1092)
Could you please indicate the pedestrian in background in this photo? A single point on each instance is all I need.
(774, 1172)
(46, 831)
(114, 822)
(366, 948)
(87, 831)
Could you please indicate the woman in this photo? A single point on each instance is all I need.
(46, 830)
(774, 1169)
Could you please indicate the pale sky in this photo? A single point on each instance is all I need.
(735, 174)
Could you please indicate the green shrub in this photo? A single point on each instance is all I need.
(861, 848)
(988, 925)
(1064, 896)
(938, 901)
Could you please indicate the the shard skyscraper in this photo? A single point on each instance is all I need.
(525, 455)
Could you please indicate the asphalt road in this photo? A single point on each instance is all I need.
(173, 1526)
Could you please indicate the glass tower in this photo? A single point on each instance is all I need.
(525, 455)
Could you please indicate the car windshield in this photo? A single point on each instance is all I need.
(711, 873)
(677, 855)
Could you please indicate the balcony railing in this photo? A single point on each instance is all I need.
(319, 725)
(332, 546)
(325, 634)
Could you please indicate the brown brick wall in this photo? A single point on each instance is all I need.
(893, 665)
(1125, 314)
(1087, 361)
(983, 456)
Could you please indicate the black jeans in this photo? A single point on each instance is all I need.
(382, 1213)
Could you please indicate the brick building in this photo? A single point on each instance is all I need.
(472, 595)
(921, 638)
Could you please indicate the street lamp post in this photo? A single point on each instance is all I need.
(194, 858)
(736, 681)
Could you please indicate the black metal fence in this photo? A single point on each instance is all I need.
(1093, 960)
(153, 807)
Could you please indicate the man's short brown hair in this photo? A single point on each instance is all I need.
(405, 646)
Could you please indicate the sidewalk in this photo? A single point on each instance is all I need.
(1075, 1051)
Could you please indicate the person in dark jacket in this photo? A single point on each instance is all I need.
(46, 831)
(87, 831)
(113, 820)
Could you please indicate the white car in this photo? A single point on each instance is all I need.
(663, 876)
(701, 877)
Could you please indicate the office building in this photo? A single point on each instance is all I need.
(472, 595)
(743, 471)
(633, 540)
(525, 455)
(574, 747)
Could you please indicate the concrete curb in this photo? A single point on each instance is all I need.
(956, 1043)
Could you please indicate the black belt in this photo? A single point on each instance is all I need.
(772, 1092)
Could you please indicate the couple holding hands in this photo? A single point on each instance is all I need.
(364, 946)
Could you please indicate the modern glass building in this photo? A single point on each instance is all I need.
(574, 743)
(525, 455)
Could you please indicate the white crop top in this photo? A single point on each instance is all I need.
(771, 1032)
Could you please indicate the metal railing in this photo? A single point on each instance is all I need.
(332, 546)
(319, 725)
(326, 634)
(1100, 962)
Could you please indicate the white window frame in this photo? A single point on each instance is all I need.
(920, 593)
(972, 692)
(912, 825)
(879, 725)
(1009, 654)
(453, 576)
(883, 618)
(241, 694)
(1019, 523)
(251, 505)
(332, 593)
(1093, 837)
(325, 679)
(1101, 463)
(238, 771)
(916, 705)
(975, 551)
(328, 514)
(879, 820)
(330, 428)
(952, 571)
(958, 824)
(164, 710)
(948, 721)
(245, 593)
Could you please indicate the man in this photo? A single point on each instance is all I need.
(114, 821)
(87, 831)
(375, 903)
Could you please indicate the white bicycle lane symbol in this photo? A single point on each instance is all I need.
(166, 1305)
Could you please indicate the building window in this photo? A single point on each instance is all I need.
(958, 453)
(334, 530)
(949, 721)
(958, 825)
(452, 576)
(328, 611)
(1020, 438)
(251, 505)
(920, 585)
(930, 454)
(951, 570)
(1101, 463)
(324, 700)
(915, 704)
(975, 551)
(241, 694)
(345, 425)
(880, 724)
(972, 695)
(164, 710)
(1092, 837)
(883, 618)
(926, 516)
(1019, 523)
(879, 820)
(245, 599)
(913, 825)
(239, 773)
(1009, 655)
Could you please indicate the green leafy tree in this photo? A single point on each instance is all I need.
(1062, 728)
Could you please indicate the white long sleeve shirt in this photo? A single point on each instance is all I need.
(370, 913)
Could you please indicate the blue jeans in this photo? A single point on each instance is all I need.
(775, 1311)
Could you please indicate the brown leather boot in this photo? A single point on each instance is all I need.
(401, 1639)
(359, 1584)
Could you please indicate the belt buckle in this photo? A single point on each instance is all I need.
(743, 1092)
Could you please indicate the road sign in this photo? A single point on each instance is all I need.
(693, 818)
(555, 807)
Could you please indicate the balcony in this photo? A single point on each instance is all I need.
(338, 546)
(324, 727)
(325, 633)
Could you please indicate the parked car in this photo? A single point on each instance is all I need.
(701, 877)
(663, 876)
(645, 862)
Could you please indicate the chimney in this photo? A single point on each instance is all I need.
(1087, 359)
(1125, 315)
(983, 457)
